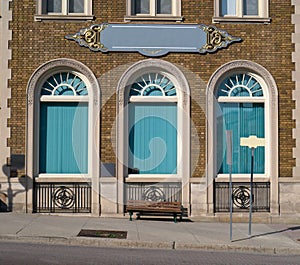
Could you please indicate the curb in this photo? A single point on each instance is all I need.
(89, 242)
(240, 249)
(121, 243)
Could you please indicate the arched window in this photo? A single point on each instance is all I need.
(152, 118)
(153, 125)
(241, 109)
(63, 133)
(242, 97)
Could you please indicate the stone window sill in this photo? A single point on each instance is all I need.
(153, 18)
(241, 20)
(63, 17)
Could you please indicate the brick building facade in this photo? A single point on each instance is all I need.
(38, 61)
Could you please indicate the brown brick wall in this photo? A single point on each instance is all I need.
(37, 42)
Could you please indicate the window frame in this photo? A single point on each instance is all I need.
(174, 16)
(263, 99)
(64, 15)
(262, 17)
(183, 122)
(62, 99)
(146, 99)
(245, 99)
(271, 118)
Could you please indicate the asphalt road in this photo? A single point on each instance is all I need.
(14, 253)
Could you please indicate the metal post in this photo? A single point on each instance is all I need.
(231, 203)
(251, 190)
(229, 163)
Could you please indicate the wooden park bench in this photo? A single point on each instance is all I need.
(151, 207)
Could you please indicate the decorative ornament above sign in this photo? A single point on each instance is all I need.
(153, 40)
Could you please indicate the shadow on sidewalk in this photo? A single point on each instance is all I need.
(289, 229)
(165, 219)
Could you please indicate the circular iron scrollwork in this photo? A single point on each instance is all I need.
(154, 193)
(63, 197)
(241, 197)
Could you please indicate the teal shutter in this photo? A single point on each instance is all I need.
(244, 119)
(63, 138)
(153, 138)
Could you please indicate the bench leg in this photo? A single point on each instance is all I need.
(130, 215)
(138, 216)
(175, 217)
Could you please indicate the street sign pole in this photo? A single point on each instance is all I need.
(251, 142)
(229, 163)
(251, 190)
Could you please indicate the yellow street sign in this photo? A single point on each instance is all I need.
(252, 141)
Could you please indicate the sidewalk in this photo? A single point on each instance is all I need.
(149, 233)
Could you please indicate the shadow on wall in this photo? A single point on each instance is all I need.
(17, 162)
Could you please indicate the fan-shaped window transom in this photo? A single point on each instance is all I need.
(64, 84)
(240, 85)
(153, 84)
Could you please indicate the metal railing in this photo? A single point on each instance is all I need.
(241, 196)
(170, 192)
(62, 198)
